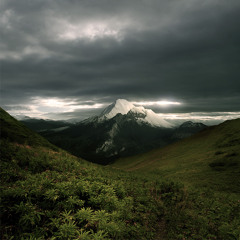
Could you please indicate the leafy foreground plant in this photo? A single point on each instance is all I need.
(50, 194)
(53, 195)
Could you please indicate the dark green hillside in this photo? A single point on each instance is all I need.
(47, 193)
(14, 131)
(209, 158)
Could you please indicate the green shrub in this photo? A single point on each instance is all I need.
(53, 195)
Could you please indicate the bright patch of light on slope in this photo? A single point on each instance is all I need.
(162, 103)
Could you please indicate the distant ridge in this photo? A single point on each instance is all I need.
(45, 124)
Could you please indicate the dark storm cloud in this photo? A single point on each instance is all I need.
(143, 50)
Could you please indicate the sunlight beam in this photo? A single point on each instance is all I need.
(161, 103)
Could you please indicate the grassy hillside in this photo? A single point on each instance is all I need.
(14, 131)
(210, 158)
(47, 193)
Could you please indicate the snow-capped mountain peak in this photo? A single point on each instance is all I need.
(140, 114)
(119, 106)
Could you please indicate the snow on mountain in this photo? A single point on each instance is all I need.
(141, 114)
(119, 106)
(108, 144)
(121, 130)
(150, 117)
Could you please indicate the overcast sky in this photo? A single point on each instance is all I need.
(70, 58)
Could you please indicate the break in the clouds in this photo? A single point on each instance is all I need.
(64, 58)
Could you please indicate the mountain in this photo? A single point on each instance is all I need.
(210, 157)
(121, 106)
(47, 193)
(39, 125)
(122, 129)
(141, 115)
(187, 129)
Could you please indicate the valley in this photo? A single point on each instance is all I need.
(209, 158)
(119, 120)
(121, 130)
(186, 190)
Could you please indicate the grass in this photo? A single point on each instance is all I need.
(54, 195)
(15, 131)
(208, 158)
(47, 193)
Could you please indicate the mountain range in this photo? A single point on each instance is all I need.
(122, 129)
